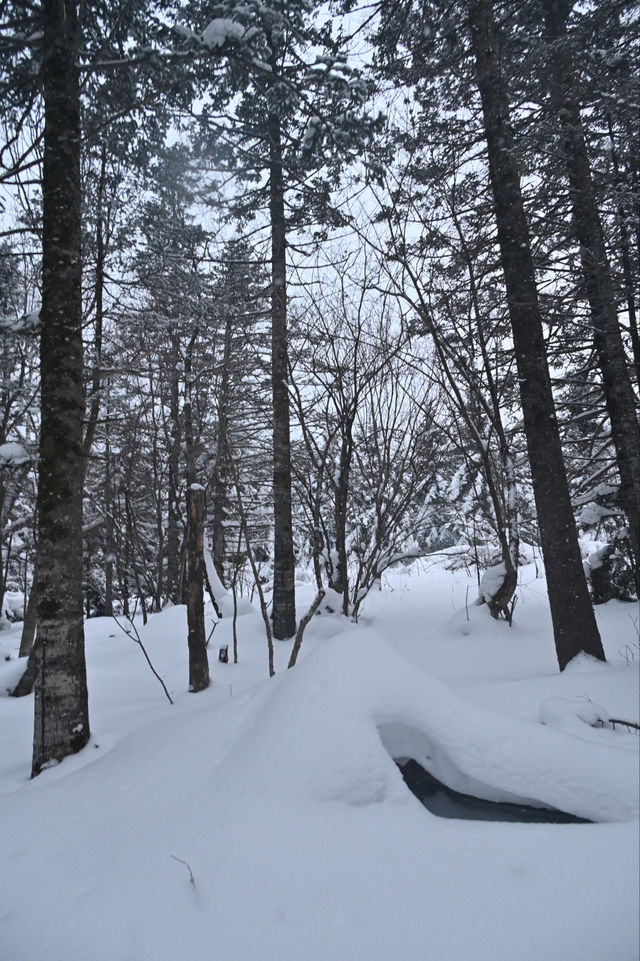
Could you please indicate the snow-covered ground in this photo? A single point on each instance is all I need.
(282, 799)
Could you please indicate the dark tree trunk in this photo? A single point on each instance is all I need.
(612, 361)
(189, 439)
(28, 679)
(137, 548)
(625, 256)
(504, 509)
(339, 580)
(109, 543)
(574, 624)
(4, 567)
(198, 662)
(96, 378)
(219, 487)
(123, 553)
(30, 621)
(173, 522)
(61, 703)
(284, 601)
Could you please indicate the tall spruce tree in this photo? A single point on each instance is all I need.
(299, 116)
(574, 624)
(449, 67)
(607, 338)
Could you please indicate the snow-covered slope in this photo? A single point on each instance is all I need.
(283, 799)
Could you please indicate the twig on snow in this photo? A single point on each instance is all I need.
(630, 724)
(191, 877)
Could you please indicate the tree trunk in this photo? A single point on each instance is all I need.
(28, 679)
(219, 487)
(109, 542)
(136, 548)
(61, 703)
(505, 503)
(198, 662)
(4, 568)
(187, 411)
(284, 601)
(96, 377)
(173, 521)
(574, 624)
(618, 391)
(123, 553)
(30, 622)
(625, 256)
(339, 580)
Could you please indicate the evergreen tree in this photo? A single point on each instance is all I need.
(599, 288)
(574, 623)
(299, 116)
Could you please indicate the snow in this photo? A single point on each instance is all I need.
(267, 819)
(594, 513)
(13, 605)
(216, 585)
(577, 717)
(492, 580)
(216, 33)
(26, 324)
(13, 454)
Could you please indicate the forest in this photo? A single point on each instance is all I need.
(297, 289)
(319, 480)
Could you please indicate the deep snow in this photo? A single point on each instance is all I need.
(283, 798)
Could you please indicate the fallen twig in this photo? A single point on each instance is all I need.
(191, 877)
(630, 724)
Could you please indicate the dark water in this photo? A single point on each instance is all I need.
(446, 803)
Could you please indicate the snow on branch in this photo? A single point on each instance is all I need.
(25, 324)
(13, 454)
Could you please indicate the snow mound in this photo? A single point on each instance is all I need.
(571, 716)
(585, 719)
(358, 704)
(244, 605)
(492, 580)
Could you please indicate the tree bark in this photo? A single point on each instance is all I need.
(198, 662)
(302, 626)
(187, 411)
(219, 486)
(625, 257)
(173, 520)
(28, 679)
(616, 382)
(109, 543)
(574, 624)
(284, 601)
(30, 621)
(339, 580)
(96, 377)
(61, 703)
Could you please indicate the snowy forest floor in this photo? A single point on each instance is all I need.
(282, 798)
